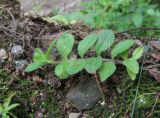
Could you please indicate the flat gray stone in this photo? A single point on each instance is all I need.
(84, 95)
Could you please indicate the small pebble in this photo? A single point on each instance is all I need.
(21, 64)
(3, 55)
(17, 51)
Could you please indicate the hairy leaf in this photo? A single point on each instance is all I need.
(121, 47)
(105, 40)
(92, 64)
(132, 65)
(138, 52)
(65, 44)
(75, 66)
(86, 44)
(106, 70)
(61, 70)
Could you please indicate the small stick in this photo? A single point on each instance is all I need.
(153, 106)
(99, 86)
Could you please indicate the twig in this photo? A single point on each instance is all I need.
(153, 106)
(99, 86)
(11, 16)
(152, 66)
(138, 98)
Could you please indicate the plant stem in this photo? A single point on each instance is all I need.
(99, 86)
(116, 61)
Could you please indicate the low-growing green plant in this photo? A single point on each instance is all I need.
(100, 42)
(118, 15)
(5, 107)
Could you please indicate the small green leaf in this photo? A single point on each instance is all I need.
(138, 52)
(58, 18)
(39, 56)
(137, 19)
(124, 55)
(34, 66)
(50, 48)
(8, 100)
(75, 66)
(121, 47)
(106, 70)
(132, 65)
(86, 44)
(131, 74)
(60, 70)
(93, 63)
(105, 40)
(12, 106)
(65, 44)
(1, 109)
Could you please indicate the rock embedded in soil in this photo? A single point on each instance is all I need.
(17, 51)
(3, 55)
(74, 115)
(84, 95)
(21, 64)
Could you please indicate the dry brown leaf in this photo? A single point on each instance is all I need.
(155, 73)
(156, 56)
(155, 44)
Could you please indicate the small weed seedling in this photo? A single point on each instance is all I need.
(5, 107)
(100, 42)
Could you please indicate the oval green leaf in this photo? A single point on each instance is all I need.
(65, 44)
(132, 65)
(121, 47)
(93, 64)
(60, 70)
(138, 52)
(86, 44)
(105, 40)
(106, 70)
(75, 66)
